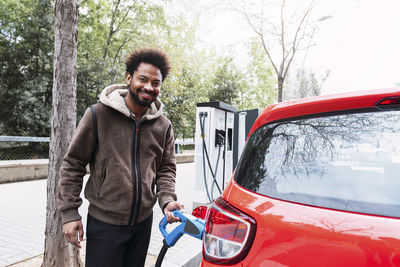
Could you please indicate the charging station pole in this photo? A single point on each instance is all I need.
(213, 149)
(244, 120)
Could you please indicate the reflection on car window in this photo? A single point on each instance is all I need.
(348, 162)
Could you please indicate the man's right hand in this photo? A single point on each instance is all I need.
(70, 230)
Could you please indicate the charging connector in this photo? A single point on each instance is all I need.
(219, 138)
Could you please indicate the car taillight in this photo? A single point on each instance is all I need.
(200, 212)
(228, 235)
(389, 101)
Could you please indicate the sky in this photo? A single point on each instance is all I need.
(359, 44)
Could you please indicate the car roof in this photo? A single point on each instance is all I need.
(322, 104)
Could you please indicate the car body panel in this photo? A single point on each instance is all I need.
(295, 234)
(322, 104)
(290, 234)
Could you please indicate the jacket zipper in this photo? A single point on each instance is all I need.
(133, 170)
(138, 175)
(136, 180)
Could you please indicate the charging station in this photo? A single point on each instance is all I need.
(213, 149)
(244, 120)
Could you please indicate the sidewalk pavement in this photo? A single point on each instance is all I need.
(23, 218)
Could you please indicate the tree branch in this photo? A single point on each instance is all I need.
(82, 3)
(268, 54)
(127, 39)
(122, 21)
(282, 38)
(296, 42)
(250, 22)
(261, 35)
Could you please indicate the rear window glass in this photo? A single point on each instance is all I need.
(348, 162)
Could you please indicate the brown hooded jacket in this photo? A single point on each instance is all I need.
(131, 163)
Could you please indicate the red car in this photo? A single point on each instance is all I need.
(318, 184)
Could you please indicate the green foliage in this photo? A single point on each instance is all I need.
(108, 31)
(26, 46)
(180, 93)
(245, 87)
(186, 147)
(227, 82)
(261, 79)
(187, 82)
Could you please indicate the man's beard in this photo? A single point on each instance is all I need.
(135, 97)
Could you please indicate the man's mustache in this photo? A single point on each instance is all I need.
(146, 91)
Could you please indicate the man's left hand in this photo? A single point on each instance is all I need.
(173, 205)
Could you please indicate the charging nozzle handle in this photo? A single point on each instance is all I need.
(163, 226)
(172, 237)
(189, 225)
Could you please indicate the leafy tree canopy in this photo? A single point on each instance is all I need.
(26, 46)
(108, 31)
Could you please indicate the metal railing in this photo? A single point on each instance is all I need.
(179, 143)
(23, 139)
(26, 147)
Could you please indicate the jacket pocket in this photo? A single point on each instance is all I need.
(103, 175)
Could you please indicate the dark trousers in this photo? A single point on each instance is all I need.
(115, 245)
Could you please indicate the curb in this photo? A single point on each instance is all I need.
(27, 170)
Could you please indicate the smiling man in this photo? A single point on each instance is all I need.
(130, 147)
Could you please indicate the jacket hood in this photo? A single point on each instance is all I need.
(113, 97)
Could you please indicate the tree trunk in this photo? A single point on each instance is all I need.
(57, 251)
(280, 89)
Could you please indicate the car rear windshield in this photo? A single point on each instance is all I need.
(342, 161)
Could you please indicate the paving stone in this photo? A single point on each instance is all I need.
(23, 218)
